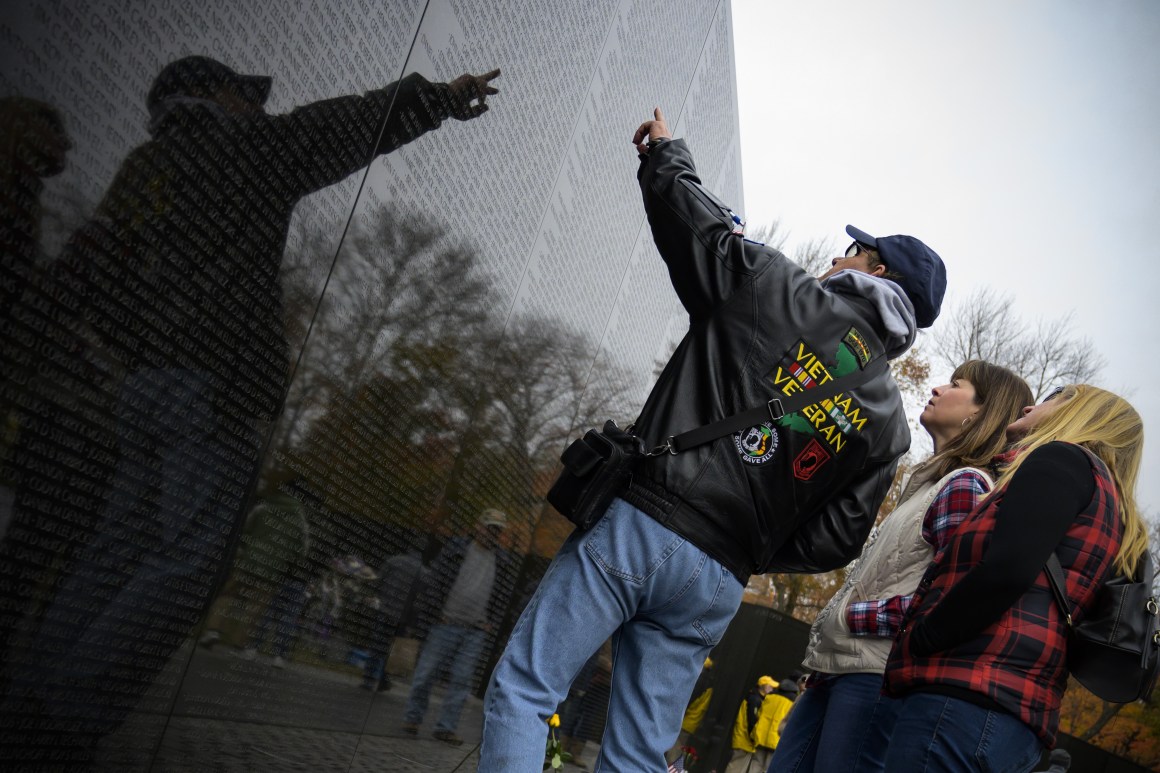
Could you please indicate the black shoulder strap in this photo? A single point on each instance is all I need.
(1055, 579)
(773, 410)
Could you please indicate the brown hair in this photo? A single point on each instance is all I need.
(1002, 395)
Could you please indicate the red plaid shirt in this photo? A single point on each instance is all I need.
(883, 617)
(1018, 663)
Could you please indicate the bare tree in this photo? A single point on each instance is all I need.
(815, 255)
(771, 235)
(986, 327)
(1053, 359)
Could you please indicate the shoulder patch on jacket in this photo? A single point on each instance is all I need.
(858, 346)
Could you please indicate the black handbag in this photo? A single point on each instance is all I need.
(597, 468)
(1115, 650)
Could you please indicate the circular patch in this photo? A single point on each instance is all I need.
(756, 444)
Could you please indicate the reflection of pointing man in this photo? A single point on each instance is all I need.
(178, 276)
(663, 571)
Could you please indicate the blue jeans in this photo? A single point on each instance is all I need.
(935, 733)
(664, 602)
(841, 724)
(453, 647)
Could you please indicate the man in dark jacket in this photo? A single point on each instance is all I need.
(663, 571)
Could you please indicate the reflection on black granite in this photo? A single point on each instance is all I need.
(263, 369)
(33, 146)
(466, 600)
(165, 310)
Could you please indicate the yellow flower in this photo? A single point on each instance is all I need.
(554, 721)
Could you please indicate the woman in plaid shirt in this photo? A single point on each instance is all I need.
(980, 666)
(843, 715)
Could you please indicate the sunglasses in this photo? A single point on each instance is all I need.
(1052, 395)
(855, 248)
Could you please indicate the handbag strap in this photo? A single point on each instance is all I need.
(1057, 583)
(773, 410)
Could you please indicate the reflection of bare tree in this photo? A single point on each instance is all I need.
(397, 289)
(542, 390)
(413, 398)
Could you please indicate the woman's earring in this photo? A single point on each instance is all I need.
(966, 421)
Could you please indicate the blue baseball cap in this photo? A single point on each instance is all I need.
(923, 275)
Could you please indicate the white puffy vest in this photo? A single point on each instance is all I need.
(892, 564)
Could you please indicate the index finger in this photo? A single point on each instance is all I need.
(641, 132)
(490, 75)
(658, 115)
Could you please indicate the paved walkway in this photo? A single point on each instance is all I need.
(232, 714)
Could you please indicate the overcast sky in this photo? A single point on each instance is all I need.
(1020, 140)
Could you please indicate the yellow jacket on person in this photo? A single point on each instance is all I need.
(742, 738)
(773, 711)
(696, 712)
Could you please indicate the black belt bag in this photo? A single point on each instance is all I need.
(597, 468)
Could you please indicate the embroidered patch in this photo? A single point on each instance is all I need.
(756, 445)
(858, 345)
(833, 419)
(810, 460)
(800, 369)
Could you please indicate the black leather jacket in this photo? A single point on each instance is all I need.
(797, 495)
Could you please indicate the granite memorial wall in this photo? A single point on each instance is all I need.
(301, 302)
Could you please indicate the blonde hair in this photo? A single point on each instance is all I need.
(1108, 426)
(1002, 395)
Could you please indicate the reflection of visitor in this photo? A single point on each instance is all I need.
(400, 578)
(275, 539)
(470, 581)
(279, 621)
(33, 144)
(334, 602)
(177, 277)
